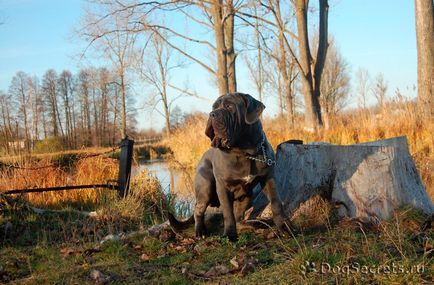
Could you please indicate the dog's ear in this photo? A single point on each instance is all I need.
(209, 131)
(254, 108)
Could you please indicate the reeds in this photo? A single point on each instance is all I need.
(43, 174)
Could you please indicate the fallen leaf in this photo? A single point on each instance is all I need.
(91, 251)
(217, 271)
(98, 276)
(187, 241)
(196, 250)
(89, 260)
(112, 237)
(137, 247)
(244, 263)
(235, 263)
(249, 265)
(259, 231)
(145, 257)
(270, 235)
(65, 252)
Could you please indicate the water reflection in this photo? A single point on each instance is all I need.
(173, 181)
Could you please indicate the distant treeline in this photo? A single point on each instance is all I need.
(78, 110)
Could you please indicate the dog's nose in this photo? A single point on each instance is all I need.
(212, 114)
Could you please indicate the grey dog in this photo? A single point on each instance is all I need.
(240, 158)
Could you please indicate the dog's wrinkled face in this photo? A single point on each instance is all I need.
(231, 114)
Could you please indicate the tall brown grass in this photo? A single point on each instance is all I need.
(28, 175)
(396, 119)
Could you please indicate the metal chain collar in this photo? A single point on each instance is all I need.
(265, 159)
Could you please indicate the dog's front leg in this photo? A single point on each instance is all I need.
(269, 188)
(226, 203)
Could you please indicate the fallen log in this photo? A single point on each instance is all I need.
(366, 180)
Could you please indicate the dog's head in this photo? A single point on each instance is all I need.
(231, 114)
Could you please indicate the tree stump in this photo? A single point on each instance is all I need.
(366, 180)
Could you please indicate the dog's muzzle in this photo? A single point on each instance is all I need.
(222, 123)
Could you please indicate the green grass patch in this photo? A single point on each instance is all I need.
(64, 248)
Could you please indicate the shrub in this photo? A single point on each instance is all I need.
(50, 144)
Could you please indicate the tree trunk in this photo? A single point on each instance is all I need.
(311, 70)
(283, 68)
(44, 124)
(6, 122)
(123, 111)
(166, 108)
(366, 181)
(260, 77)
(425, 54)
(230, 50)
(222, 72)
(96, 136)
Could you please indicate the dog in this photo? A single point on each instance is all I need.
(240, 158)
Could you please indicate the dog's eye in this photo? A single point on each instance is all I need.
(228, 106)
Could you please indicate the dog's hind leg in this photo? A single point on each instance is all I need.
(205, 188)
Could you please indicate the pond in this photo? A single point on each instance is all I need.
(174, 182)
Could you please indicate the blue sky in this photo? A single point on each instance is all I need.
(376, 35)
(35, 36)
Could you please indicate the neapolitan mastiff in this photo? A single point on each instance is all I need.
(240, 158)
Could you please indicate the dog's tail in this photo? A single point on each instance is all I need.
(180, 225)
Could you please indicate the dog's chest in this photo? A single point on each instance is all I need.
(248, 178)
(241, 173)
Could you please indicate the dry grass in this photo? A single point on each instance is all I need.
(398, 119)
(28, 175)
(189, 142)
(64, 248)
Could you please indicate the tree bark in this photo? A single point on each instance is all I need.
(283, 67)
(425, 55)
(366, 181)
(260, 76)
(311, 70)
(123, 110)
(222, 71)
(230, 50)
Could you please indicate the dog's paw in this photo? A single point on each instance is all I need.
(231, 234)
(201, 231)
(231, 237)
(285, 227)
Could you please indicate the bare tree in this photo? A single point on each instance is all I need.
(84, 89)
(104, 79)
(363, 86)
(311, 69)
(335, 84)
(216, 16)
(270, 25)
(425, 54)
(6, 120)
(379, 90)
(36, 106)
(50, 91)
(255, 62)
(285, 63)
(155, 70)
(19, 91)
(113, 40)
(66, 89)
